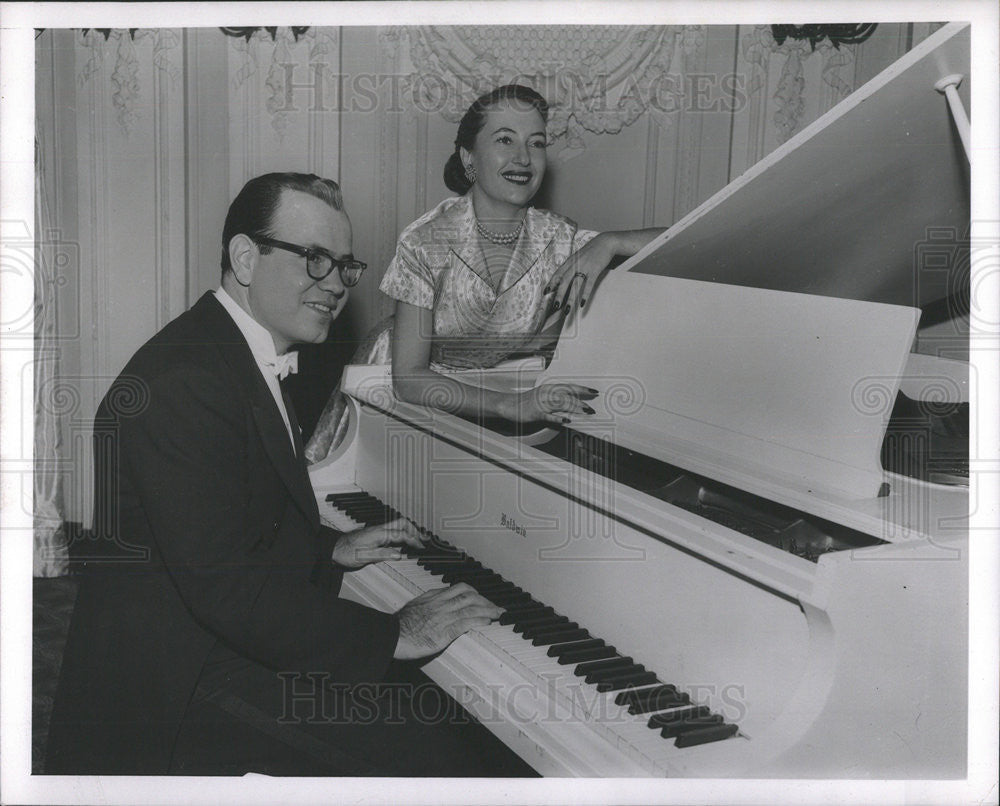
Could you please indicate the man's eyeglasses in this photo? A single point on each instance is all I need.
(319, 262)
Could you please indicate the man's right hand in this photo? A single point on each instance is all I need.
(431, 621)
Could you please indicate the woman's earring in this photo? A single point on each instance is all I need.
(470, 173)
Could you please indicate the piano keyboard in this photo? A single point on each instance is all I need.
(627, 705)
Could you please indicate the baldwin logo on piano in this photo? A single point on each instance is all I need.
(509, 523)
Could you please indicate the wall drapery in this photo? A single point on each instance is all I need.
(597, 79)
(51, 556)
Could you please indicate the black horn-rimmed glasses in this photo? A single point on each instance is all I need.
(319, 262)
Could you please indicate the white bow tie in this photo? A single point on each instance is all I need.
(285, 365)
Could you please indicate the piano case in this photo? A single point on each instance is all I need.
(755, 593)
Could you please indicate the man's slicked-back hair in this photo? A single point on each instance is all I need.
(252, 211)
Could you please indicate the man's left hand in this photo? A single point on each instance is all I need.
(375, 543)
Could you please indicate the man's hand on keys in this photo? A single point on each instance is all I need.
(431, 621)
(375, 543)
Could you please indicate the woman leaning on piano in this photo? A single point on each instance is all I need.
(485, 276)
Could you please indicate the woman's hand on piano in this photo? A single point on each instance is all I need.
(431, 621)
(375, 543)
(551, 402)
(576, 279)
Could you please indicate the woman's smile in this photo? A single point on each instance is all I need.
(508, 157)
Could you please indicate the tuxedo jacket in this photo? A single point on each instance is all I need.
(218, 539)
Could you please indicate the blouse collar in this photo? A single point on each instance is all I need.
(528, 249)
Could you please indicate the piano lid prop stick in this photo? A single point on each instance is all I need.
(948, 86)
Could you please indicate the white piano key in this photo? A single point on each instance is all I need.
(625, 728)
(628, 733)
(338, 519)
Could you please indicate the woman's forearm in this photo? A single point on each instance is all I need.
(425, 387)
(628, 242)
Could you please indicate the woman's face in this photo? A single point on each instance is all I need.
(509, 158)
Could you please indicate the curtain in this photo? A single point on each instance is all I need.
(51, 553)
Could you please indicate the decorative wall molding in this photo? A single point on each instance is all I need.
(125, 88)
(692, 52)
(597, 79)
(161, 200)
(759, 46)
(277, 49)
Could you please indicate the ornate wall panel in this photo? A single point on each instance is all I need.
(283, 101)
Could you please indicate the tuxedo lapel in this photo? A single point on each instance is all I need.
(291, 468)
(270, 425)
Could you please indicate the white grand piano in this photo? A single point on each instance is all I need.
(738, 566)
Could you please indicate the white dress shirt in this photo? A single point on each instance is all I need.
(261, 344)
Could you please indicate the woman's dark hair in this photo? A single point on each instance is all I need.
(252, 211)
(473, 121)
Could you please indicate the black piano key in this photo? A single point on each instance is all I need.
(358, 503)
(470, 575)
(494, 584)
(615, 673)
(501, 595)
(549, 619)
(540, 630)
(559, 637)
(711, 733)
(590, 649)
(525, 607)
(627, 697)
(513, 615)
(685, 725)
(436, 553)
(583, 669)
(372, 508)
(442, 566)
(656, 699)
(363, 509)
(504, 599)
(450, 564)
(338, 498)
(658, 721)
(496, 593)
(626, 680)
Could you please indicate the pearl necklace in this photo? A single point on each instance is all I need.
(500, 238)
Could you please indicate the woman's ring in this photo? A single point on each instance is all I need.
(580, 274)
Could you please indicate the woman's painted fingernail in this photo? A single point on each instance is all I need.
(587, 409)
(593, 391)
(565, 420)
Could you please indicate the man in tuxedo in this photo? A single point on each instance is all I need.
(218, 644)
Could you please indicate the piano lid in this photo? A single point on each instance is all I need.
(760, 341)
(783, 395)
(840, 208)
